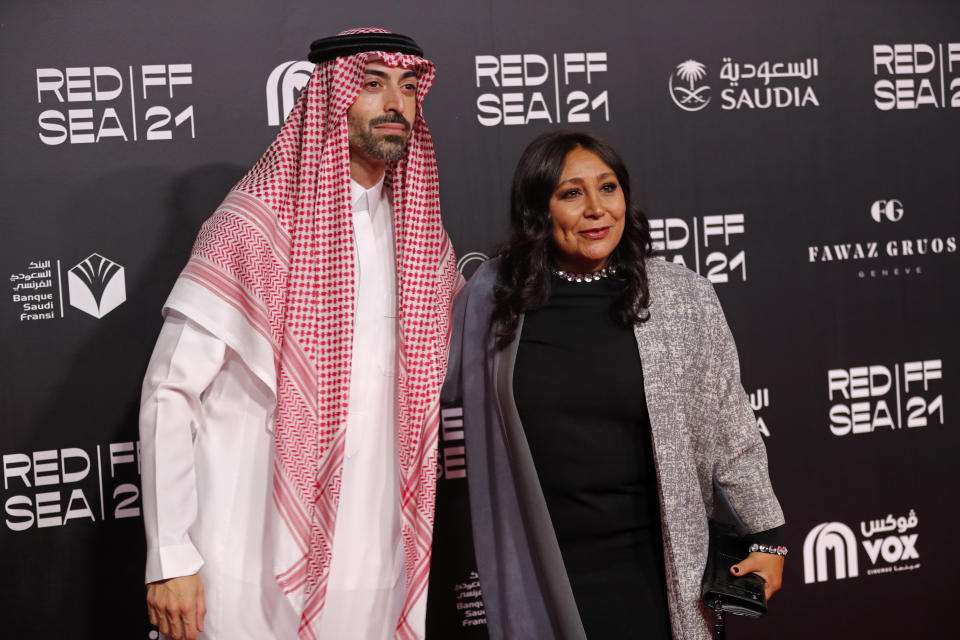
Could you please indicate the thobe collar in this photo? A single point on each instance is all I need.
(366, 199)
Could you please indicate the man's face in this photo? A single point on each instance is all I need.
(380, 120)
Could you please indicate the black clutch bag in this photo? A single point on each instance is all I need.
(724, 592)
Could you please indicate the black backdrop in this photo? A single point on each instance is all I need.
(801, 154)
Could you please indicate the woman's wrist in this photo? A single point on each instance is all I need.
(777, 550)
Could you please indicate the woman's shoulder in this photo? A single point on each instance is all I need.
(482, 282)
(670, 279)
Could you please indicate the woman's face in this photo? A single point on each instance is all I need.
(588, 209)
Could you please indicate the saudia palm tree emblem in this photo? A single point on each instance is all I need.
(693, 98)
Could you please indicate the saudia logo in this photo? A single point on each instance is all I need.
(764, 85)
(283, 88)
(686, 94)
(887, 554)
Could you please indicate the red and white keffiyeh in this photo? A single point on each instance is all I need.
(279, 252)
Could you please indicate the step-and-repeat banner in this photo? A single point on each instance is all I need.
(803, 156)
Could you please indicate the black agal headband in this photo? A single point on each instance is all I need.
(335, 46)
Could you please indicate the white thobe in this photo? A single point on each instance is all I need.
(207, 453)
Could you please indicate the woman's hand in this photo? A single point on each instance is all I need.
(768, 566)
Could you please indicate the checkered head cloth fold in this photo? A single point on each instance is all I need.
(280, 252)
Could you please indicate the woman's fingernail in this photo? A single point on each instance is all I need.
(736, 569)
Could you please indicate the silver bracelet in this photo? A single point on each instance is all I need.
(763, 548)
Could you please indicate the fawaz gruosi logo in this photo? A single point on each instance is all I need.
(96, 286)
(889, 210)
(883, 257)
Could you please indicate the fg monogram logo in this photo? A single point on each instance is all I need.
(283, 87)
(892, 210)
(685, 92)
(829, 536)
(97, 286)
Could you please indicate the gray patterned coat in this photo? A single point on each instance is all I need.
(703, 432)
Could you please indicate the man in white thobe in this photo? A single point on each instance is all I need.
(227, 556)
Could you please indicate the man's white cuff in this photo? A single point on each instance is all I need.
(172, 562)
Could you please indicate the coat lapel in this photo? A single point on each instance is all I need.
(661, 383)
(552, 574)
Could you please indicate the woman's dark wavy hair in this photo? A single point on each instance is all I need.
(527, 259)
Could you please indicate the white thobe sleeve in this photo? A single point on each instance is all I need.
(185, 361)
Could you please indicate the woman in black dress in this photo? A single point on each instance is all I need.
(611, 404)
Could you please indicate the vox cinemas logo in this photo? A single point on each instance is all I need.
(284, 85)
(89, 105)
(885, 396)
(556, 88)
(59, 487)
(916, 75)
(96, 285)
(469, 262)
(751, 85)
(893, 553)
(706, 244)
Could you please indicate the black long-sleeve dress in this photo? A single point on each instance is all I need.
(578, 384)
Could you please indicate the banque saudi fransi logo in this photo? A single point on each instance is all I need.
(683, 86)
(97, 285)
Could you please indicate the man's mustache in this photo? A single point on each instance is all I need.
(390, 118)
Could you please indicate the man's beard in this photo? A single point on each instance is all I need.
(387, 148)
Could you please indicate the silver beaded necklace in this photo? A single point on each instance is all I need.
(585, 277)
